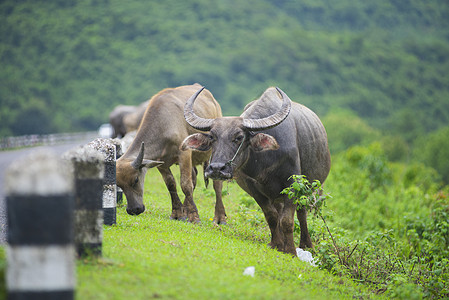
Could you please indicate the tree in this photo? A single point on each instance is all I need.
(433, 150)
(344, 129)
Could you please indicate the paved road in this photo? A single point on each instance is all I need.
(7, 157)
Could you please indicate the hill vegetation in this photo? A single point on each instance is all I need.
(66, 64)
(372, 71)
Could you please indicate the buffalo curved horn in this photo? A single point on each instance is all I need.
(138, 161)
(273, 120)
(193, 119)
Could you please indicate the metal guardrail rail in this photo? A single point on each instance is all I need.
(44, 139)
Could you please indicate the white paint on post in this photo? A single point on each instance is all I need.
(93, 234)
(41, 268)
(109, 196)
(38, 174)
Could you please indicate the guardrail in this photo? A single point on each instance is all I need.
(44, 139)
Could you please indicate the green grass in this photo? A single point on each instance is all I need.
(149, 256)
(396, 216)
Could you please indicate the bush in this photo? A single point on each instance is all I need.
(433, 151)
(388, 227)
(401, 266)
(344, 130)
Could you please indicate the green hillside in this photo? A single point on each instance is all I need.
(66, 64)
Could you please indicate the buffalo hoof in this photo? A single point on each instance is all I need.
(181, 218)
(220, 222)
(306, 244)
(178, 214)
(290, 251)
(278, 247)
(194, 220)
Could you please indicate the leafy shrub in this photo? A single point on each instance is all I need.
(345, 130)
(306, 194)
(415, 266)
(405, 256)
(418, 175)
(433, 150)
(395, 148)
(372, 160)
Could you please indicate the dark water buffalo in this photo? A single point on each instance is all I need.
(132, 120)
(272, 140)
(116, 119)
(157, 144)
(126, 118)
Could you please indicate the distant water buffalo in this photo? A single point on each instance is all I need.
(132, 120)
(272, 140)
(157, 144)
(116, 119)
(126, 118)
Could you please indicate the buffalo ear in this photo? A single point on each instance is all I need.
(197, 141)
(262, 142)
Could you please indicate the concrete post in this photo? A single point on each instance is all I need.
(118, 154)
(88, 168)
(40, 250)
(106, 147)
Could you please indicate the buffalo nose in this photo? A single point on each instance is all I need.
(135, 210)
(219, 171)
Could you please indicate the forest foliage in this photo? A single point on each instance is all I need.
(66, 64)
(371, 70)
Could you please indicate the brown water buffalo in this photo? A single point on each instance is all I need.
(157, 144)
(272, 140)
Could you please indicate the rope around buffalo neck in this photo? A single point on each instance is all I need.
(230, 162)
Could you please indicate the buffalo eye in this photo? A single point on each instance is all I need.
(210, 137)
(238, 139)
(135, 181)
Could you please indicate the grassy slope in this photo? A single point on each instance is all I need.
(150, 256)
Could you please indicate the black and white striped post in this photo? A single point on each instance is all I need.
(88, 168)
(106, 147)
(118, 154)
(40, 250)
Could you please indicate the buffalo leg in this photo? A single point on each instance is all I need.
(185, 165)
(272, 217)
(177, 209)
(194, 177)
(305, 241)
(220, 214)
(287, 225)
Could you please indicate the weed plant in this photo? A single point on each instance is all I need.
(388, 226)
